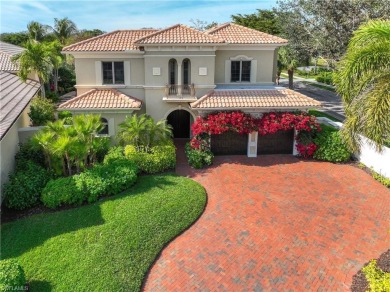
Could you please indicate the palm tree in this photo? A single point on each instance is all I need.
(56, 58)
(35, 58)
(287, 61)
(44, 140)
(63, 29)
(363, 81)
(37, 31)
(159, 132)
(134, 130)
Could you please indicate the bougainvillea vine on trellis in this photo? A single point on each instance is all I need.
(269, 123)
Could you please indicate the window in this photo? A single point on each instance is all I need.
(104, 131)
(240, 71)
(172, 71)
(113, 73)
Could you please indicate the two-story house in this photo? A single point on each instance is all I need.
(179, 73)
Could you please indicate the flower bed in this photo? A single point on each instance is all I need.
(269, 123)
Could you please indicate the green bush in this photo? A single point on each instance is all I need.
(25, 186)
(377, 279)
(62, 191)
(101, 146)
(66, 116)
(12, 276)
(197, 158)
(383, 180)
(331, 146)
(160, 158)
(41, 111)
(114, 153)
(27, 152)
(325, 77)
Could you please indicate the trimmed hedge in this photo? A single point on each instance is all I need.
(12, 276)
(197, 158)
(25, 186)
(160, 158)
(114, 153)
(101, 180)
(331, 146)
(325, 77)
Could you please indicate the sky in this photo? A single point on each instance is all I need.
(120, 14)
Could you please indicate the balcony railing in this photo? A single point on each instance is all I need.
(180, 91)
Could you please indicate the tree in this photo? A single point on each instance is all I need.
(202, 25)
(56, 58)
(37, 31)
(264, 20)
(321, 29)
(84, 34)
(362, 79)
(63, 29)
(35, 58)
(15, 38)
(288, 61)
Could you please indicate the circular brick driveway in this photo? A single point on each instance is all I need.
(276, 223)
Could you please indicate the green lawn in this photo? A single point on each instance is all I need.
(106, 246)
(318, 113)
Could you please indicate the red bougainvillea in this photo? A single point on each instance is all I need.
(242, 123)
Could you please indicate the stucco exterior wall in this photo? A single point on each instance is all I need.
(265, 63)
(9, 145)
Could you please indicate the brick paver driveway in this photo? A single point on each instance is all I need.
(277, 223)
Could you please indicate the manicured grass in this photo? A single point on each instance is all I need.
(329, 88)
(106, 246)
(317, 113)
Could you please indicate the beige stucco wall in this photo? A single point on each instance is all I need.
(265, 64)
(9, 145)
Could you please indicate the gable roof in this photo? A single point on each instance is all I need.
(237, 34)
(254, 99)
(7, 51)
(179, 34)
(118, 40)
(102, 99)
(15, 96)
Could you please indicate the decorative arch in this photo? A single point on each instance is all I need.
(105, 130)
(180, 108)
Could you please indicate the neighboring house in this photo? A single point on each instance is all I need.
(15, 97)
(179, 73)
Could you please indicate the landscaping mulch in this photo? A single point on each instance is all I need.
(359, 281)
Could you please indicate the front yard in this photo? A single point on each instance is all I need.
(108, 245)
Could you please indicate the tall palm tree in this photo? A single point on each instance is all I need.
(37, 31)
(63, 29)
(35, 58)
(56, 58)
(363, 81)
(286, 60)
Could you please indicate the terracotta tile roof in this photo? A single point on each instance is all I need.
(254, 98)
(179, 34)
(7, 51)
(119, 40)
(14, 97)
(236, 34)
(102, 99)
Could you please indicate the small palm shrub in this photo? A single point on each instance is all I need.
(41, 111)
(25, 185)
(157, 159)
(66, 116)
(330, 146)
(12, 277)
(197, 158)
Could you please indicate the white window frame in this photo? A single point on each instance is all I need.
(113, 72)
(228, 66)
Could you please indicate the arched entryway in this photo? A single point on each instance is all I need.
(180, 120)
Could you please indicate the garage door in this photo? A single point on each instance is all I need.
(229, 143)
(282, 142)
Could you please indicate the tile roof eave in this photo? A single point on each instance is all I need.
(254, 108)
(110, 109)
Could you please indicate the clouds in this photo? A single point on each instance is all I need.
(119, 14)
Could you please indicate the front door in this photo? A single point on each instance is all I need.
(180, 122)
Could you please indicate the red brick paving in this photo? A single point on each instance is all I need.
(276, 223)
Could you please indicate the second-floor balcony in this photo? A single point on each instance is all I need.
(179, 93)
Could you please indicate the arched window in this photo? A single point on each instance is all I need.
(104, 122)
(172, 71)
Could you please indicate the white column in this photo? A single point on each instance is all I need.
(252, 144)
(295, 151)
(98, 73)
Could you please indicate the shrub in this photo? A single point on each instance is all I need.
(12, 276)
(28, 152)
(41, 111)
(25, 186)
(107, 179)
(66, 116)
(101, 145)
(325, 77)
(377, 279)
(382, 179)
(197, 158)
(331, 146)
(158, 159)
(114, 153)
(62, 191)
